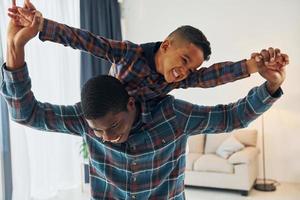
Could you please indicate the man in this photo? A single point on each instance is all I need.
(148, 71)
(128, 158)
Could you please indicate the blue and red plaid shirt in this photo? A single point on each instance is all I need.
(134, 65)
(151, 163)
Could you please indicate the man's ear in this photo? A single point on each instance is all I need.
(131, 104)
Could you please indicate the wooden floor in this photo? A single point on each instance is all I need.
(285, 191)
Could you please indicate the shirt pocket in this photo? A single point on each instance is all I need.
(162, 143)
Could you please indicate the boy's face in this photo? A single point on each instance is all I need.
(179, 59)
(115, 127)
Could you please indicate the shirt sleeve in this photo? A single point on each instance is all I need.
(26, 110)
(196, 119)
(111, 50)
(216, 74)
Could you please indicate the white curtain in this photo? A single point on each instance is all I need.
(1, 142)
(46, 163)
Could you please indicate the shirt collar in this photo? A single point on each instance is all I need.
(150, 50)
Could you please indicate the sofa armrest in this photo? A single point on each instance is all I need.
(244, 156)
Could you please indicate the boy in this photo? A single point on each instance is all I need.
(148, 71)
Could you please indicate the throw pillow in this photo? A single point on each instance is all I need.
(229, 146)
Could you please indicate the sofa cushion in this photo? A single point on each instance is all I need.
(246, 136)
(213, 163)
(196, 143)
(190, 160)
(213, 141)
(247, 155)
(229, 146)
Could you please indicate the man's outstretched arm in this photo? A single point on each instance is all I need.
(18, 36)
(16, 89)
(195, 119)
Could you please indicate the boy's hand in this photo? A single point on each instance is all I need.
(23, 16)
(20, 35)
(271, 66)
(271, 58)
(23, 25)
(12, 28)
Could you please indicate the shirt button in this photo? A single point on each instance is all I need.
(163, 141)
(134, 163)
(133, 196)
(134, 179)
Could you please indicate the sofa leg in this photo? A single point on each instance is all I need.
(244, 192)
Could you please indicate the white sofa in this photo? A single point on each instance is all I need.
(207, 169)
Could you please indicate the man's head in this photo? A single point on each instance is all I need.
(108, 108)
(182, 52)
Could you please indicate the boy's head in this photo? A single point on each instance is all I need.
(108, 108)
(182, 52)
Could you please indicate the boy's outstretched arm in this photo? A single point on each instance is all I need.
(225, 72)
(225, 118)
(111, 50)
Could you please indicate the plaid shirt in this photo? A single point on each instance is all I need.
(151, 163)
(134, 65)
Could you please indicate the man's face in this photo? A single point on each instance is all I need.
(114, 127)
(179, 59)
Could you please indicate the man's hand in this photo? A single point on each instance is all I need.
(265, 58)
(18, 36)
(24, 23)
(271, 58)
(24, 16)
(271, 65)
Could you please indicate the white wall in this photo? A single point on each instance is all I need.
(236, 29)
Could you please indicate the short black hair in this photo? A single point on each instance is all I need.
(195, 36)
(101, 95)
